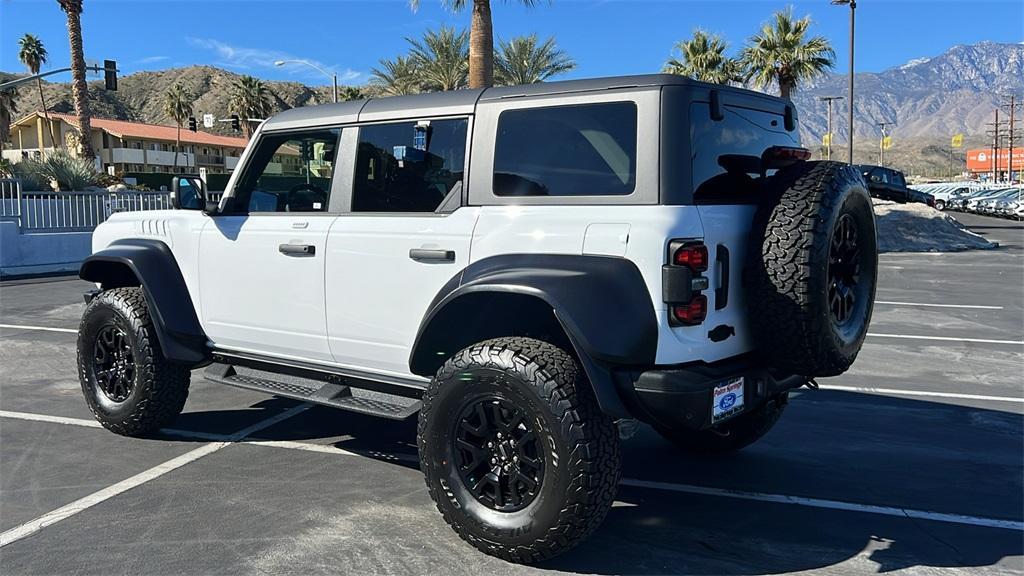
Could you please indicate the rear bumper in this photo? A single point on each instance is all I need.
(681, 396)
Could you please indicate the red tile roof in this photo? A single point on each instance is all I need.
(122, 128)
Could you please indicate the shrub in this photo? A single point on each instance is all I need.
(69, 172)
(28, 171)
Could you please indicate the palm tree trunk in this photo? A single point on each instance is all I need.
(481, 46)
(79, 89)
(177, 147)
(785, 88)
(46, 114)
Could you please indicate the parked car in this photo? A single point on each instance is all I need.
(578, 273)
(978, 203)
(888, 184)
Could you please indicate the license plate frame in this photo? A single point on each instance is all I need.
(727, 399)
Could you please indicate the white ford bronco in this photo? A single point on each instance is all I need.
(521, 268)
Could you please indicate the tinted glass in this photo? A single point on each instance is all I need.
(727, 165)
(587, 150)
(290, 173)
(408, 166)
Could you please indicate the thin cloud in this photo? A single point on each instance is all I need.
(152, 59)
(243, 58)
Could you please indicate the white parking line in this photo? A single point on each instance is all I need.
(66, 511)
(946, 339)
(898, 392)
(828, 504)
(43, 328)
(55, 516)
(926, 305)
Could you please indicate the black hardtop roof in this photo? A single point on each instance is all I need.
(457, 102)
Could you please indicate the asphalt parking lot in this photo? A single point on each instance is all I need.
(912, 462)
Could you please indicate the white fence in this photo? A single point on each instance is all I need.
(74, 211)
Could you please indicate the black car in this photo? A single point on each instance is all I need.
(888, 184)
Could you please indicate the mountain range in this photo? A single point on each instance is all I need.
(928, 98)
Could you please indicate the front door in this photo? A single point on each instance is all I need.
(405, 237)
(261, 277)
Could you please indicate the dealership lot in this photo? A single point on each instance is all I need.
(912, 461)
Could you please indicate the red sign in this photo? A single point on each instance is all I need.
(980, 160)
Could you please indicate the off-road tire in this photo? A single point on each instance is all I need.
(731, 435)
(581, 448)
(788, 274)
(159, 387)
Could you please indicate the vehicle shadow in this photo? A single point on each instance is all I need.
(831, 446)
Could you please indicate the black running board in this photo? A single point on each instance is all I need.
(315, 392)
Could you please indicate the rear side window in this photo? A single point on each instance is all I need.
(585, 150)
(408, 166)
(726, 154)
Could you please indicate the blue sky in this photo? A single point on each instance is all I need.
(606, 37)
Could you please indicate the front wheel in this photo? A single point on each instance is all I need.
(516, 454)
(731, 435)
(129, 386)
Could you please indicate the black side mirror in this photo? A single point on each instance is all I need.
(188, 193)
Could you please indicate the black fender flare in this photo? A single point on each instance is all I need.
(155, 269)
(601, 302)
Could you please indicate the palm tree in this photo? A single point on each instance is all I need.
(481, 39)
(441, 58)
(79, 89)
(178, 106)
(33, 55)
(781, 53)
(352, 93)
(523, 61)
(396, 77)
(7, 110)
(703, 58)
(249, 99)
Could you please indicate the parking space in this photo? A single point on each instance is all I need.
(913, 461)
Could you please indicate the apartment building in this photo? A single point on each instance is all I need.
(123, 146)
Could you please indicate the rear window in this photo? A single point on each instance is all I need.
(726, 157)
(584, 150)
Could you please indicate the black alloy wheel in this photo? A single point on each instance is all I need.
(843, 270)
(113, 363)
(497, 454)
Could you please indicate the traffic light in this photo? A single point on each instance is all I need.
(110, 75)
(192, 124)
(306, 150)
(236, 123)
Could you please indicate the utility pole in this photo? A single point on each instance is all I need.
(829, 100)
(995, 146)
(881, 141)
(1011, 138)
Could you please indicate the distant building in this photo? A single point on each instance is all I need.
(129, 146)
(983, 161)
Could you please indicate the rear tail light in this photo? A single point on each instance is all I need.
(692, 313)
(683, 281)
(782, 156)
(693, 256)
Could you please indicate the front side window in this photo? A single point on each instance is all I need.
(581, 150)
(408, 166)
(290, 173)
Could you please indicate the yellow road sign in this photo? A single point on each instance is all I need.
(886, 142)
(958, 141)
(826, 140)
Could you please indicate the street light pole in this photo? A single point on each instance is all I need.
(331, 75)
(829, 99)
(853, 8)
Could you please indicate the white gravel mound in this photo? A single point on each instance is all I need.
(920, 228)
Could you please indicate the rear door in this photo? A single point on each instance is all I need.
(261, 264)
(405, 236)
(726, 159)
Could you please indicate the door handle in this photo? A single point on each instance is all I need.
(722, 292)
(297, 249)
(428, 255)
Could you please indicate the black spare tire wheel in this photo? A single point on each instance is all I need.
(812, 269)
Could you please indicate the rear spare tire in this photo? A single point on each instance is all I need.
(812, 269)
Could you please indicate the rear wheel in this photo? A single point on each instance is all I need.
(731, 435)
(129, 386)
(940, 204)
(515, 452)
